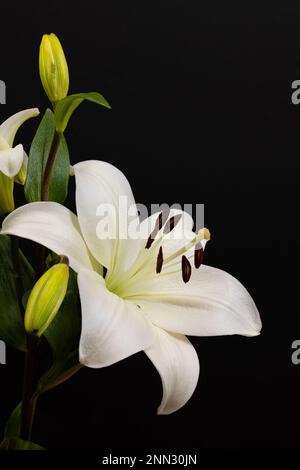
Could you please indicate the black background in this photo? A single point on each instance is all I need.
(202, 113)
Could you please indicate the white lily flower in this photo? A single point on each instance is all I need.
(13, 160)
(151, 297)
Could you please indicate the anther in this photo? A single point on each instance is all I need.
(151, 239)
(162, 218)
(186, 269)
(160, 261)
(198, 255)
(160, 221)
(172, 222)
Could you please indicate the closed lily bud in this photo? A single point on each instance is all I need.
(21, 176)
(53, 66)
(7, 203)
(46, 298)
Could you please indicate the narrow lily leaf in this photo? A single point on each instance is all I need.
(13, 425)
(65, 108)
(60, 371)
(63, 337)
(60, 173)
(13, 443)
(11, 322)
(38, 157)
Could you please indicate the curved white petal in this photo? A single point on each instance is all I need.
(9, 127)
(212, 303)
(11, 160)
(52, 225)
(112, 329)
(103, 196)
(3, 144)
(178, 365)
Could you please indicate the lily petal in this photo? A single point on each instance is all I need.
(212, 303)
(176, 360)
(11, 160)
(53, 226)
(100, 185)
(9, 127)
(112, 329)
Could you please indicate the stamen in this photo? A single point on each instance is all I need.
(172, 222)
(186, 269)
(203, 234)
(198, 255)
(162, 218)
(151, 239)
(160, 221)
(160, 260)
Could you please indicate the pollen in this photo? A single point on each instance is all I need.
(186, 269)
(198, 255)
(160, 261)
(171, 224)
(162, 218)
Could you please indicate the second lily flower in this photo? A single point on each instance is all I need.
(13, 160)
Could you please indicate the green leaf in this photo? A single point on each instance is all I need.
(38, 157)
(13, 443)
(66, 107)
(43, 143)
(11, 321)
(63, 337)
(13, 425)
(60, 172)
(60, 371)
(64, 332)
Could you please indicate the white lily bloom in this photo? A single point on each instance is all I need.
(151, 297)
(13, 160)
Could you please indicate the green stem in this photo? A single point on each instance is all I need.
(28, 402)
(40, 250)
(29, 380)
(28, 399)
(30, 377)
(17, 271)
(49, 167)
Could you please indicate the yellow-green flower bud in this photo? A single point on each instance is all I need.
(21, 176)
(7, 203)
(54, 71)
(46, 298)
